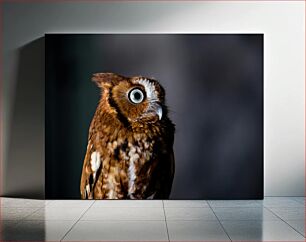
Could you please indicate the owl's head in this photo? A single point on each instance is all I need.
(132, 99)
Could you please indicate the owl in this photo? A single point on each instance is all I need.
(130, 142)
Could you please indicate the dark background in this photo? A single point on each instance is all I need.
(214, 90)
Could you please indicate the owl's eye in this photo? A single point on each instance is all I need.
(136, 96)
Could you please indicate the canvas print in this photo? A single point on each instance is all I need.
(154, 116)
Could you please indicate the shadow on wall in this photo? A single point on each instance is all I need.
(26, 134)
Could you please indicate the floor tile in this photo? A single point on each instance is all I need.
(300, 200)
(128, 203)
(281, 202)
(16, 213)
(118, 231)
(289, 212)
(185, 204)
(4, 224)
(21, 203)
(189, 214)
(261, 231)
(196, 231)
(124, 214)
(298, 225)
(69, 203)
(73, 213)
(235, 203)
(7, 227)
(244, 214)
(40, 230)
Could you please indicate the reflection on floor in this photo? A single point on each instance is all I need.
(273, 219)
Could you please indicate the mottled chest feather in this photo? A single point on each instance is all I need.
(126, 165)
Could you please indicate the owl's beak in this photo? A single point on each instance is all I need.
(155, 109)
(159, 111)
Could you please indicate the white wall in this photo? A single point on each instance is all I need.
(283, 25)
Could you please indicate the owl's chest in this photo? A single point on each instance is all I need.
(137, 159)
(132, 157)
(127, 167)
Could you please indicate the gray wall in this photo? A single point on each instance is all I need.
(23, 74)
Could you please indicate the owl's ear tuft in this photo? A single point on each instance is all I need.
(106, 79)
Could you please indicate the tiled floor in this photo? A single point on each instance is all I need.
(273, 219)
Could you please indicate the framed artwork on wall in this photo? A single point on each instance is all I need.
(154, 116)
